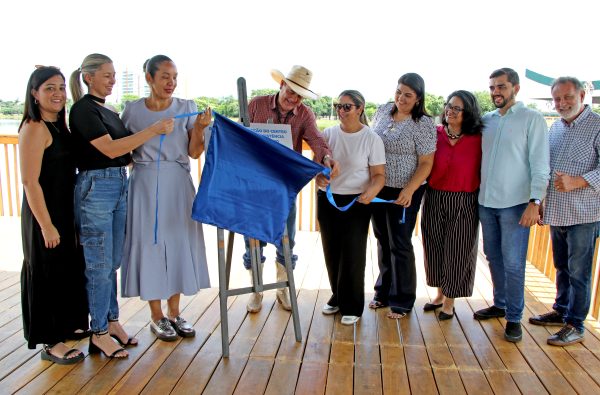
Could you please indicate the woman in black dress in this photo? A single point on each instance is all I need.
(53, 294)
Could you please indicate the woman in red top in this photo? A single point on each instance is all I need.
(449, 219)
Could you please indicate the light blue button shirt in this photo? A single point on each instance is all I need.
(515, 165)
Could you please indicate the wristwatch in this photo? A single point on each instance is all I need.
(326, 158)
(537, 202)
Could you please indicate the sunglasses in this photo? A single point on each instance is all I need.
(346, 106)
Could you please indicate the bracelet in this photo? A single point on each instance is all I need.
(325, 158)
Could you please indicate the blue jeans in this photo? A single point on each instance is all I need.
(100, 216)
(573, 251)
(505, 247)
(291, 226)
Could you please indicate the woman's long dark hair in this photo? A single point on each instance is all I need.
(31, 111)
(471, 114)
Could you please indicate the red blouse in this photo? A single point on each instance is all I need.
(456, 168)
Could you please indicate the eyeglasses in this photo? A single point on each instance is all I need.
(455, 109)
(346, 106)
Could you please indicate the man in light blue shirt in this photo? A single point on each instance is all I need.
(514, 176)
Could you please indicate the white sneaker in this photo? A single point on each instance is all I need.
(349, 320)
(329, 310)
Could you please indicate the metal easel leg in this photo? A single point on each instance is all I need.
(291, 285)
(223, 291)
(229, 255)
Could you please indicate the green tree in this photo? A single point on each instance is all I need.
(434, 105)
(204, 101)
(322, 107)
(370, 109)
(533, 106)
(596, 110)
(263, 92)
(128, 97)
(228, 106)
(485, 101)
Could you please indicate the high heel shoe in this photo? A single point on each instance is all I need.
(94, 349)
(129, 341)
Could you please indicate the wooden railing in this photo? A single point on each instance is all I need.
(10, 180)
(11, 191)
(539, 254)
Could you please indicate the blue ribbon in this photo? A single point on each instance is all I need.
(329, 194)
(189, 114)
(162, 138)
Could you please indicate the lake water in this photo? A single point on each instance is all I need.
(9, 126)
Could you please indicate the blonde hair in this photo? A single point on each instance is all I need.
(90, 65)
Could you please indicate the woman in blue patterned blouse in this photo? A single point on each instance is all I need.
(409, 137)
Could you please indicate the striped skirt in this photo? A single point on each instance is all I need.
(450, 229)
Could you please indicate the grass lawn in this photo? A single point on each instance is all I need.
(325, 123)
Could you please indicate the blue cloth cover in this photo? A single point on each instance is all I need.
(249, 182)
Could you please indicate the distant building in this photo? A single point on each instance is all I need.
(130, 83)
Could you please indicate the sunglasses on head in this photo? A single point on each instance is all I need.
(346, 106)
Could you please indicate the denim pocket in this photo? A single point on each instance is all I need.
(85, 188)
(93, 250)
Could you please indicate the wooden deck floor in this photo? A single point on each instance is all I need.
(417, 354)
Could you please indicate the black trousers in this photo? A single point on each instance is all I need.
(396, 284)
(344, 236)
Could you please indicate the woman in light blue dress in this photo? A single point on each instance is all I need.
(164, 254)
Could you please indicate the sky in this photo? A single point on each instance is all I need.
(348, 44)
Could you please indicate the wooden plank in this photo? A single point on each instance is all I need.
(228, 373)
(200, 370)
(339, 379)
(16, 180)
(226, 376)
(143, 371)
(289, 355)
(172, 368)
(283, 377)
(20, 367)
(255, 377)
(8, 187)
(419, 370)
(311, 379)
(367, 379)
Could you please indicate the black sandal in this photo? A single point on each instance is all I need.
(94, 349)
(48, 356)
(129, 341)
(79, 335)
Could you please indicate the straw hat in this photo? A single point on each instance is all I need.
(298, 79)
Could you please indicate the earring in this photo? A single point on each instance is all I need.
(36, 101)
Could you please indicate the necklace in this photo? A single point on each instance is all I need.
(452, 136)
(96, 98)
(53, 126)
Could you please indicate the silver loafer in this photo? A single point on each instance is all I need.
(163, 330)
(182, 327)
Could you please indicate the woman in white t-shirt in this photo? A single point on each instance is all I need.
(361, 155)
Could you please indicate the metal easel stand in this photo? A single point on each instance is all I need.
(257, 283)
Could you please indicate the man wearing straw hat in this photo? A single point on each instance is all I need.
(286, 107)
